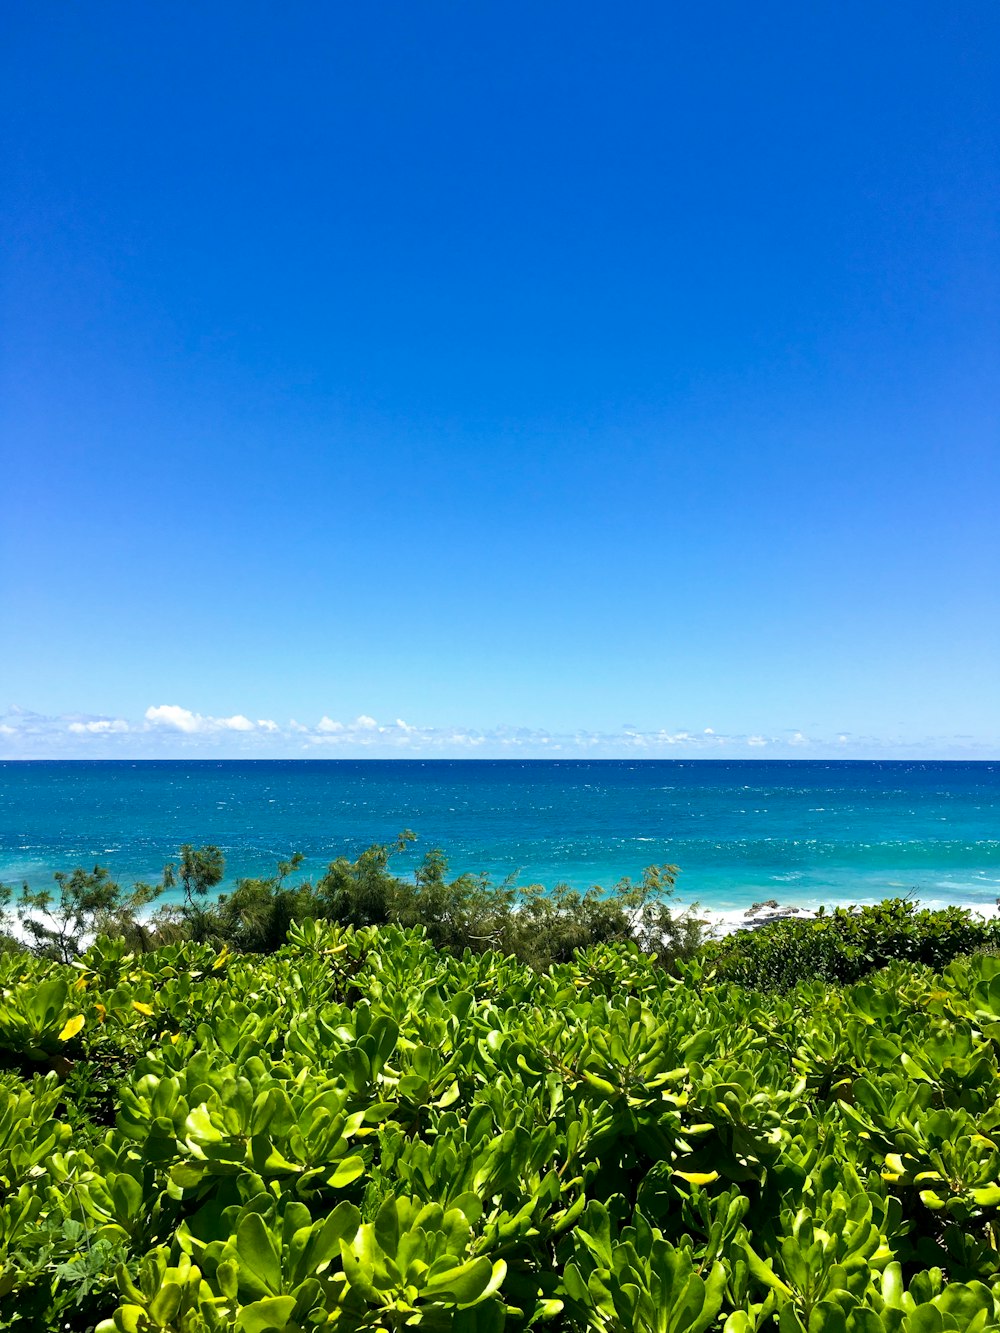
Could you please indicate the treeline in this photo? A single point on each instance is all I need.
(536, 926)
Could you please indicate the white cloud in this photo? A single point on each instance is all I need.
(236, 723)
(181, 719)
(170, 730)
(364, 730)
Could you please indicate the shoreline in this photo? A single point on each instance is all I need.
(728, 921)
(719, 922)
(724, 904)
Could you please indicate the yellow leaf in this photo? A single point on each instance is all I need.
(698, 1177)
(80, 983)
(142, 1008)
(222, 959)
(102, 1013)
(71, 1028)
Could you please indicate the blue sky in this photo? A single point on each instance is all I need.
(482, 379)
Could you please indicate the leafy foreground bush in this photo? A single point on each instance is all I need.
(363, 1133)
(848, 943)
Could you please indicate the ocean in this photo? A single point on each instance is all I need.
(801, 832)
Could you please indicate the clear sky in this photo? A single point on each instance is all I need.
(477, 378)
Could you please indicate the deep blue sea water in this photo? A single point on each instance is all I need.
(803, 832)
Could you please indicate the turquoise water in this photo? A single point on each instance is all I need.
(800, 831)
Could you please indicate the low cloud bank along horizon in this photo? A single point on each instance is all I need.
(167, 731)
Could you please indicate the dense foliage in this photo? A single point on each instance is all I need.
(848, 943)
(363, 1131)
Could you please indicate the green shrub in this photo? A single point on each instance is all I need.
(366, 1132)
(847, 944)
(533, 924)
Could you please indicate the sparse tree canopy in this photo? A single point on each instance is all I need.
(85, 903)
(201, 869)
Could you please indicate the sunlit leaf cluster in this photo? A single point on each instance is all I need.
(364, 1133)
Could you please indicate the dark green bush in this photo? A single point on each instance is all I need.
(848, 943)
(531, 923)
